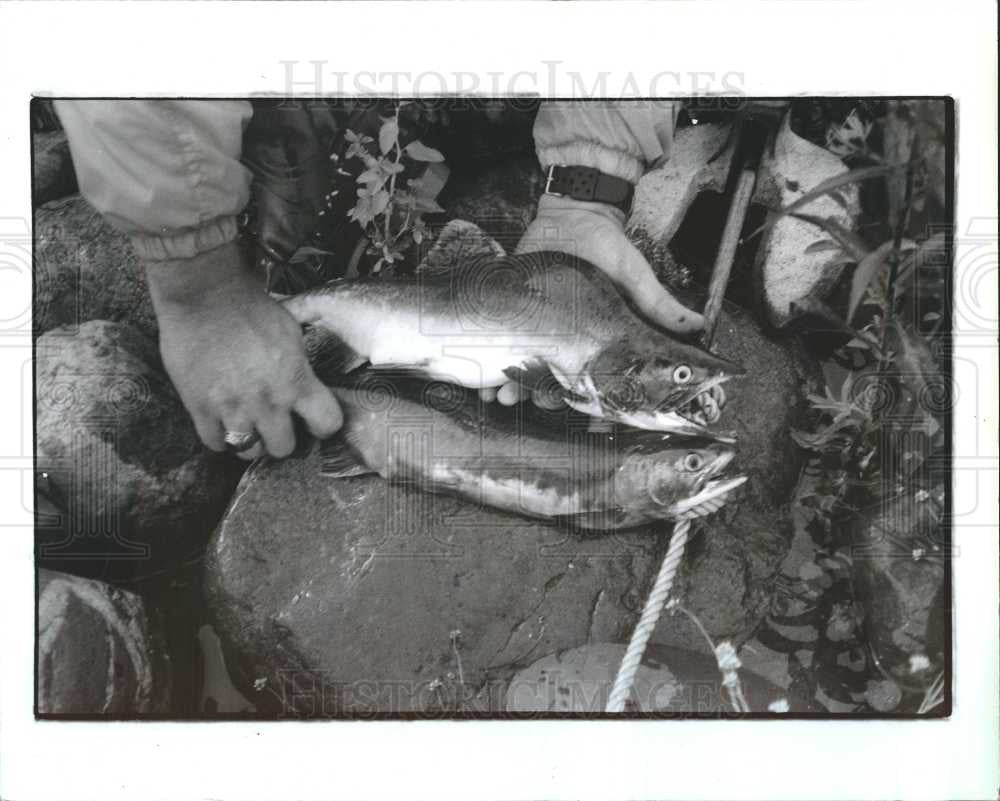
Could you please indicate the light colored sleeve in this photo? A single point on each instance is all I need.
(166, 172)
(620, 138)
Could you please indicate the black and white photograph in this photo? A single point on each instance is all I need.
(558, 407)
(477, 407)
(492, 407)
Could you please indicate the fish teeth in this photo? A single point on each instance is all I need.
(706, 406)
(710, 407)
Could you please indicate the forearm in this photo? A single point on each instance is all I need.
(166, 172)
(202, 281)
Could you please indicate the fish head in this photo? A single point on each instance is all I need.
(682, 477)
(660, 384)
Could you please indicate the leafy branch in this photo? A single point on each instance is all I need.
(849, 422)
(390, 214)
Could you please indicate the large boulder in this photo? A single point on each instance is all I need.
(99, 651)
(117, 452)
(340, 596)
(765, 403)
(348, 596)
(86, 270)
(664, 195)
(790, 271)
(727, 577)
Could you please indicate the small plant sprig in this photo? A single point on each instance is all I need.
(390, 214)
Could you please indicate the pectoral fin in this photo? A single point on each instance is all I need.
(538, 375)
(529, 374)
(330, 357)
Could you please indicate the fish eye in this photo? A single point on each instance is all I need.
(693, 461)
(682, 374)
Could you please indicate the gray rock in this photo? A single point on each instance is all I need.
(53, 175)
(664, 194)
(341, 596)
(119, 451)
(788, 274)
(458, 241)
(99, 653)
(501, 198)
(86, 270)
(762, 405)
(727, 578)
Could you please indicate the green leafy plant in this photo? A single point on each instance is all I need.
(390, 207)
(885, 388)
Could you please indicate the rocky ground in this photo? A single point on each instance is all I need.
(352, 596)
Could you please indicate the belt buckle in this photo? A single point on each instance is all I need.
(549, 178)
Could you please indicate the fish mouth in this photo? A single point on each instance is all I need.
(710, 498)
(704, 407)
(691, 417)
(669, 423)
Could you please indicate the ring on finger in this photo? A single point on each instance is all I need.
(240, 441)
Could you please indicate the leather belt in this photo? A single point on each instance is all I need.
(590, 184)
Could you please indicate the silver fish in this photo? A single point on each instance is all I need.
(439, 437)
(543, 319)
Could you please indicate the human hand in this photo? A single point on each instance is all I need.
(595, 232)
(235, 356)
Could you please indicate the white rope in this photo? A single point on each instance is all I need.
(647, 621)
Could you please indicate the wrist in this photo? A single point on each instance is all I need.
(201, 279)
(590, 185)
(584, 153)
(551, 205)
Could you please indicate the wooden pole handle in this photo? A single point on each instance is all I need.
(723, 266)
